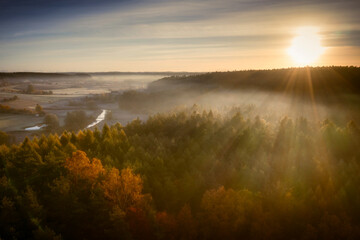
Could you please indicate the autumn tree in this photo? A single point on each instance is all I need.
(123, 190)
(124, 193)
(80, 167)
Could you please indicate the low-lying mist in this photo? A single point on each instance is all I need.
(315, 93)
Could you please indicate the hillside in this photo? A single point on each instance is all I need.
(323, 80)
(293, 91)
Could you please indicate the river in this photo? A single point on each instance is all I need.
(100, 118)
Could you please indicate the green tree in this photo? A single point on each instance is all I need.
(52, 122)
(76, 120)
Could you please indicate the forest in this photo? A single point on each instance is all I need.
(179, 119)
(335, 87)
(336, 79)
(190, 173)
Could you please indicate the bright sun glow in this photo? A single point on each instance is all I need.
(306, 46)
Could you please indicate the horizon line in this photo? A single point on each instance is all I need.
(159, 72)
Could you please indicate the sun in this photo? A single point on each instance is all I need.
(306, 46)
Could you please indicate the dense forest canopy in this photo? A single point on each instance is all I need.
(187, 174)
(323, 80)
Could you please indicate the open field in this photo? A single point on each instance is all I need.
(64, 90)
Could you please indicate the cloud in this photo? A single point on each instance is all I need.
(167, 30)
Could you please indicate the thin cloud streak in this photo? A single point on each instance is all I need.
(171, 30)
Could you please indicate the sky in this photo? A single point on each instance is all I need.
(160, 35)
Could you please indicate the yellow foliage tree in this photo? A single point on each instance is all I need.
(80, 166)
(123, 189)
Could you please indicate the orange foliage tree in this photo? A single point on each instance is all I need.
(80, 166)
(123, 190)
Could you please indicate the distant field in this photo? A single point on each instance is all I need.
(16, 122)
(64, 88)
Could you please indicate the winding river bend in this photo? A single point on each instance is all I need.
(100, 118)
